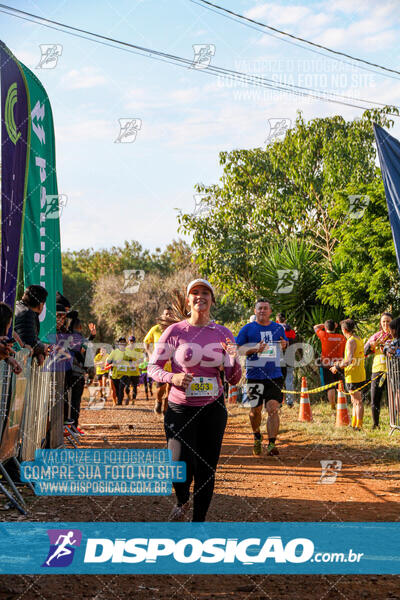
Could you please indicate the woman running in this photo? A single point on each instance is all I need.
(375, 345)
(196, 416)
(75, 377)
(354, 370)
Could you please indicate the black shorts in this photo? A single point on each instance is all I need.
(351, 387)
(263, 390)
(328, 377)
(100, 377)
(160, 384)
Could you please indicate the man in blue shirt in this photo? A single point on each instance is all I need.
(262, 341)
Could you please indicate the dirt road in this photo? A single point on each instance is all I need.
(283, 488)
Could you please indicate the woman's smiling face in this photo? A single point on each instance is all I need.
(199, 299)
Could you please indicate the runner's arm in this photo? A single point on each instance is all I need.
(232, 367)
(349, 359)
(148, 349)
(163, 352)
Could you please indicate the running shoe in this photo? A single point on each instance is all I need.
(158, 408)
(272, 450)
(289, 402)
(79, 430)
(179, 513)
(257, 447)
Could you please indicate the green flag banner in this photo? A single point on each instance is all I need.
(41, 244)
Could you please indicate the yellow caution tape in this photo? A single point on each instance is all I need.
(331, 385)
(314, 391)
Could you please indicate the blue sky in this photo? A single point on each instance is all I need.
(119, 191)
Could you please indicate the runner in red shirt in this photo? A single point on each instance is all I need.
(332, 348)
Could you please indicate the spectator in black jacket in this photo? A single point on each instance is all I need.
(26, 322)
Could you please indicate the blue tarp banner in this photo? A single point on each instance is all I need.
(199, 548)
(389, 158)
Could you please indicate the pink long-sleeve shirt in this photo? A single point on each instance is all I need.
(195, 350)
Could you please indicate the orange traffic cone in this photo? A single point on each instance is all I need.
(233, 394)
(305, 406)
(342, 414)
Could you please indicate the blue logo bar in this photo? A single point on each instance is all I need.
(200, 548)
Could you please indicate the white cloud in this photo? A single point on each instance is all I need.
(280, 14)
(370, 25)
(30, 59)
(184, 96)
(84, 78)
(95, 129)
(138, 99)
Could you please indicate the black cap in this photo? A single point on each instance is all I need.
(60, 299)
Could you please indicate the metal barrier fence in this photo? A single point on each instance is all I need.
(44, 410)
(14, 391)
(5, 379)
(31, 408)
(393, 393)
(31, 415)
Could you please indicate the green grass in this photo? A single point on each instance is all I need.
(322, 430)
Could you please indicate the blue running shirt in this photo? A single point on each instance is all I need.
(267, 364)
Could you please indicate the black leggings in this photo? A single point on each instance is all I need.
(119, 389)
(194, 435)
(75, 383)
(376, 396)
(148, 383)
(131, 380)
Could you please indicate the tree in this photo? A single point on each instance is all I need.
(365, 277)
(280, 192)
(83, 269)
(116, 311)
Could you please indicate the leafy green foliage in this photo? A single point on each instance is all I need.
(365, 277)
(83, 269)
(283, 191)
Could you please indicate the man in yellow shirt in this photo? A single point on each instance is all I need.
(120, 368)
(101, 371)
(150, 339)
(133, 355)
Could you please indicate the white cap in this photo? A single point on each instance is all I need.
(200, 282)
